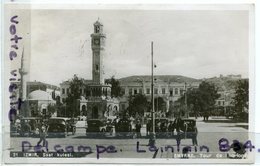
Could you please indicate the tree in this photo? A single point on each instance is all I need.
(207, 95)
(241, 98)
(138, 104)
(159, 104)
(193, 101)
(51, 110)
(74, 94)
(201, 100)
(116, 90)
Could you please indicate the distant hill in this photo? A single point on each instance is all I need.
(224, 82)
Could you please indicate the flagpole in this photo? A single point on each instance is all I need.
(153, 119)
(152, 135)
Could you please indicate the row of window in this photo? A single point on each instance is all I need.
(133, 91)
(221, 103)
(65, 90)
(97, 91)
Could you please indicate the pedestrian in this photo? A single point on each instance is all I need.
(170, 129)
(138, 127)
(148, 127)
(178, 125)
(43, 134)
(163, 128)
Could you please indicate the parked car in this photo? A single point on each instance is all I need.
(189, 130)
(29, 126)
(161, 127)
(96, 127)
(57, 127)
(123, 127)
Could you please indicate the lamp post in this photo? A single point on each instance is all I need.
(185, 100)
(152, 135)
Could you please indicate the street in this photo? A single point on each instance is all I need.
(209, 134)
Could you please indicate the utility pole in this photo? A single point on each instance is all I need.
(185, 98)
(152, 136)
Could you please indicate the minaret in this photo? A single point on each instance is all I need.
(98, 52)
(23, 88)
(22, 91)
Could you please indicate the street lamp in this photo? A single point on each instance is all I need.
(185, 98)
(152, 136)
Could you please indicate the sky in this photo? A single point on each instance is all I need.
(193, 43)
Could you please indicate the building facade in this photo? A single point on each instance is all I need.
(170, 88)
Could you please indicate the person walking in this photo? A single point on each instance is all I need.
(178, 125)
(43, 134)
(138, 127)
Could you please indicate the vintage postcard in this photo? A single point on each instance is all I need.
(87, 83)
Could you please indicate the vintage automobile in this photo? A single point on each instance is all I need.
(188, 130)
(57, 127)
(29, 126)
(96, 127)
(123, 127)
(161, 127)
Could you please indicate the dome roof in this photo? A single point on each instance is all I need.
(39, 95)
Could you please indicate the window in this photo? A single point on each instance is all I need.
(130, 91)
(141, 91)
(135, 91)
(97, 29)
(68, 90)
(148, 91)
(176, 91)
(97, 68)
(115, 108)
(44, 111)
(163, 90)
(63, 91)
(106, 92)
(171, 92)
(156, 91)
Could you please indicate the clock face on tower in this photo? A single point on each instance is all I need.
(96, 41)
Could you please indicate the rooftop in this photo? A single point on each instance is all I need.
(164, 78)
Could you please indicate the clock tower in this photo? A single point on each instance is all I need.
(98, 52)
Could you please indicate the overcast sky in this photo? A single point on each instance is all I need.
(197, 44)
